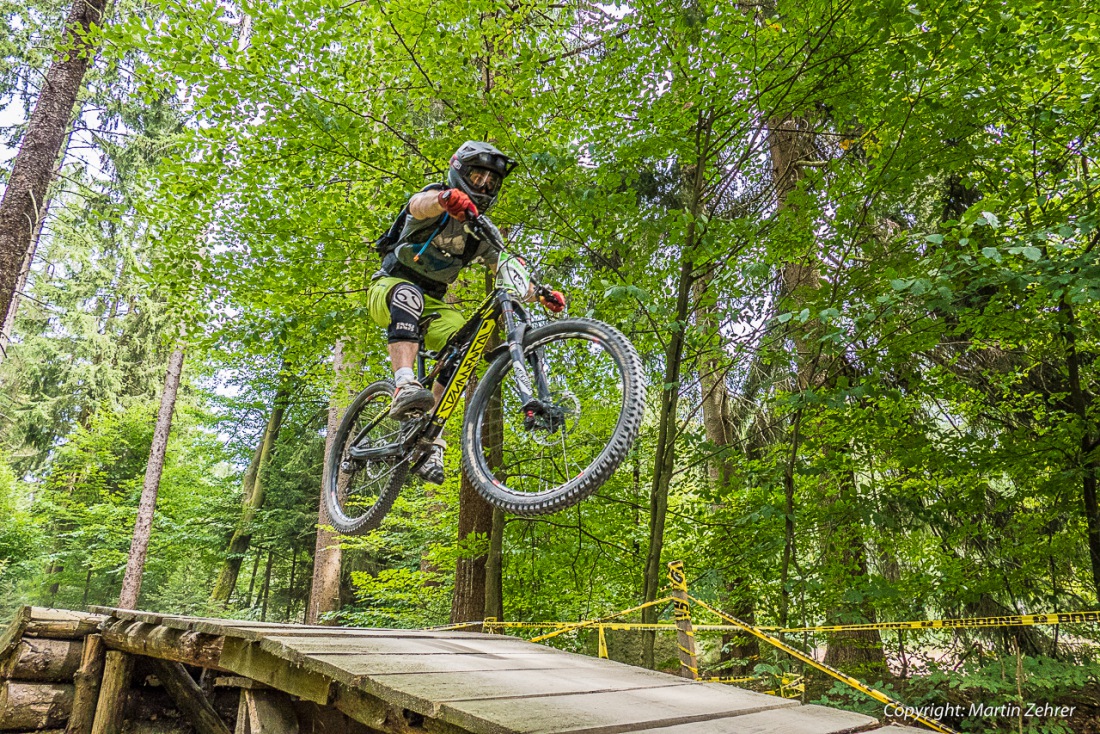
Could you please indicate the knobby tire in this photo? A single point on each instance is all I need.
(475, 463)
(380, 393)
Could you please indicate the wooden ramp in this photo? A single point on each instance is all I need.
(402, 681)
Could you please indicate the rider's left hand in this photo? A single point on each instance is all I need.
(553, 300)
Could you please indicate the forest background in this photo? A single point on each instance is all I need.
(854, 241)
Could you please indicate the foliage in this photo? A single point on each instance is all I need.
(869, 228)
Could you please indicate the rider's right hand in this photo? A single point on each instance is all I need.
(553, 300)
(456, 203)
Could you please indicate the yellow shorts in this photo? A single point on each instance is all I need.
(439, 331)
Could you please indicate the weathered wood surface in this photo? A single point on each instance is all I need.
(13, 633)
(412, 680)
(113, 693)
(26, 706)
(41, 659)
(87, 679)
(801, 720)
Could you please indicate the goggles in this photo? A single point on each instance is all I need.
(484, 181)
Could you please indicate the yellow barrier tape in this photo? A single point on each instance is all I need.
(1010, 620)
(593, 622)
(843, 677)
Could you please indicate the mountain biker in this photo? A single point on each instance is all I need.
(431, 250)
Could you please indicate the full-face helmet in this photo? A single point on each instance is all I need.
(478, 169)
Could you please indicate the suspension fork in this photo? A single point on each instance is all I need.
(515, 329)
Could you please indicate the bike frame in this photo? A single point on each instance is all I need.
(500, 304)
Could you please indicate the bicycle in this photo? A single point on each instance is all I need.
(526, 444)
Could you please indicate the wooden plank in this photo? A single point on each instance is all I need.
(248, 659)
(236, 681)
(189, 698)
(809, 719)
(608, 713)
(43, 660)
(404, 646)
(376, 665)
(426, 692)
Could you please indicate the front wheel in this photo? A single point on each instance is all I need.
(533, 464)
(358, 493)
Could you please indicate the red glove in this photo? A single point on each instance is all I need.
(554, 301)
(457, 204)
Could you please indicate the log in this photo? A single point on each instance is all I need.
(87, 679)
(34, 705)
(189, 698)
(157, 641)
(13, 633)
(63, 629)
(112, 693)
(42, 660)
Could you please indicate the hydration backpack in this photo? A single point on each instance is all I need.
(389, 240)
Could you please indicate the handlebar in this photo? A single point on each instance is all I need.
(474, 227)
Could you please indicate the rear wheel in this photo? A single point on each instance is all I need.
(358, 493)
(532, 464)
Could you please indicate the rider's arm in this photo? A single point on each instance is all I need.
(425, 205)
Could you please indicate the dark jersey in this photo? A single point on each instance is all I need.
(432, 252)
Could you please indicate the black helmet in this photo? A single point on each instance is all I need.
(478, 169)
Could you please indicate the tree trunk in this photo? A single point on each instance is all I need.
(721, 432)
(267, 585)
(131, 583)
(494, 569)
(857, 653)
(475, 515)
(23, 204)
(290, 584)
(665, 461)
(1089, 460)
(324, 594)
(253, 500)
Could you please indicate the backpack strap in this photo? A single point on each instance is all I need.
(386, 243)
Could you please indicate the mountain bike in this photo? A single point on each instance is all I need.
(554, 414)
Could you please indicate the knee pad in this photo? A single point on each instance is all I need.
(406, 308)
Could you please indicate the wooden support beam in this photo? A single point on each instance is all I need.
(27, 706)
(270, 712)
(42, 659)
(248, 659)
(87, 679)
(685, 635)
(112, 693)
(189, 697)
(361, 706)
(166, 643)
